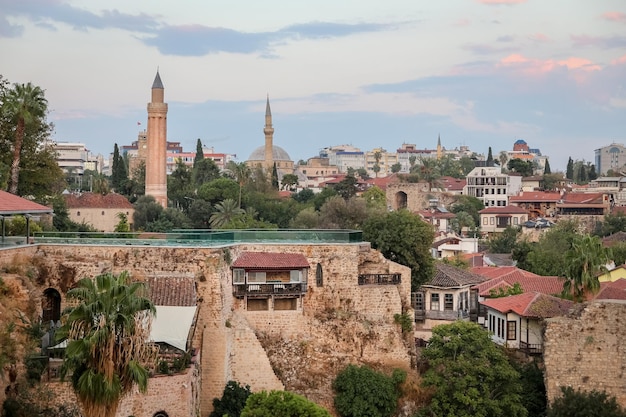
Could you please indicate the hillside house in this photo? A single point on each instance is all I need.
(537, 203)
(99, 211)
(496, 219)
(516, 321)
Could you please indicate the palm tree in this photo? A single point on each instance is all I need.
(107, 335)
(429, 172)
(241, 172)
(377, 157)
(225, 212)
(503, 158)
(24, 104)
(586, 259)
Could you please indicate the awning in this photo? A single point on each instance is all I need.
(172, 325)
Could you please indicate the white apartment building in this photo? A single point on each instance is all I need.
(491, 186)
(344, 157)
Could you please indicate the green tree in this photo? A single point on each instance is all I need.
(546, 168)
(503, 157)
(377, 157)
(489, 158)
(307, 218)
(363, 392)
(375, 198)
(40, 174)
(23, 105)
(347, 187)
(403, 237)
(119, 175)
(232, 402)
(471, 376)
(569, 172)
(337, 213)
(468, 204)
(224, 212)
(241, 173)
(199, 154)
(122, 225)
(304, 196)
(533, 388)
(274, 177)
(281, 404)
(428, 171)
(584, 404)
(218, 190)
(397, 167)
(147, 211)
(107, 335)
(525, 168)
(585, 260)
(289, 182)
(205, 170)
(504, 242)
(612, 223)
(180, 187)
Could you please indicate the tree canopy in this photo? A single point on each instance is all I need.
(577, 403)
(232, 402)
(471, 376)
(281, 404)
(403, 237)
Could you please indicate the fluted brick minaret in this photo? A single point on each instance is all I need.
(156, 177)
(269, 137)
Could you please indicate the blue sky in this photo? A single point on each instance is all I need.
(370, 73)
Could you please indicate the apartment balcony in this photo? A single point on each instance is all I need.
(264, 290)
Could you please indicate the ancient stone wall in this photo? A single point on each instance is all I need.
(415, 196)
(339, 322)
(586, 350)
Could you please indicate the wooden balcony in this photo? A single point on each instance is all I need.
(380, 279)
(451, 315)
(264, 290)
(531, 348)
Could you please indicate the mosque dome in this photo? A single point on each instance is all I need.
(278, 154)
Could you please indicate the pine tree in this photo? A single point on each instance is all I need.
(199, 154)
(490, 158)
(569, 173)
(118, 170)
(546, 169)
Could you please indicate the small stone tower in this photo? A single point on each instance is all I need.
(269, 137)
(156, 177)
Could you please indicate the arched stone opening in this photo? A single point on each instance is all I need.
(319, 276)
(51, 306)
(160, 414)
(401, 200)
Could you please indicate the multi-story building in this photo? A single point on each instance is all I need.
(74, 158)
(379, 156)
(408, 155)
(491, 186)
(612, 157)
(521, 150)
(344, 157)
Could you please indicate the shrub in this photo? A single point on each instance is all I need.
(584, 403)
(232, 402)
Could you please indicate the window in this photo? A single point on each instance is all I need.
(485, 221)
(418, 301)
(239, 276)
(103, 212)
(511, 330)
(492, 220)
(434, 301)
(256, 277)
(319, 276)
(514, 220)
(295, 275)
(78, 213)
(448, 302)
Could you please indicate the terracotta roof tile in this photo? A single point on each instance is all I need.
(535, 196)
(530, 304)
(615, 290)
(507, 276)
(270, 261)
(13, 204)
(448, 276)
(95, 200)
(172, 291)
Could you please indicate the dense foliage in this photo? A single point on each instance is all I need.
(363, 392)
(405, 238)
(232, 402)
(584, 404)
(281, 404)
(471, 376)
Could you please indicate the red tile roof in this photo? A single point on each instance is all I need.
(507, 276)
(172, 291)
(11, 204)
(615, 290)
(383, 182)
(95, 200)
(503, 210)
(535, 197)
(270, 261)
(453, 184)
(530, 304)
(583, 198)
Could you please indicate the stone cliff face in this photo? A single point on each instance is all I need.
(335, 323)
(586, 350)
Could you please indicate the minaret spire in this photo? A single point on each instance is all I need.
(269, 136)
(156, 142)
(439, 150)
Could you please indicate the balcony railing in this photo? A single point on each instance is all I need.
(380, 279)
(451, 315)
(531, 348)
(287, 289)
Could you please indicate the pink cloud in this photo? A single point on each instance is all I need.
(501, 2)
(536, 67)
(619, 61)
(615, 16)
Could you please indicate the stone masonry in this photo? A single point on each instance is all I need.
(586, 350)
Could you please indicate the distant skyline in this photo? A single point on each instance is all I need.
(369, 73)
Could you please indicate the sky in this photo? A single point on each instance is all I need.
(369, 73)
